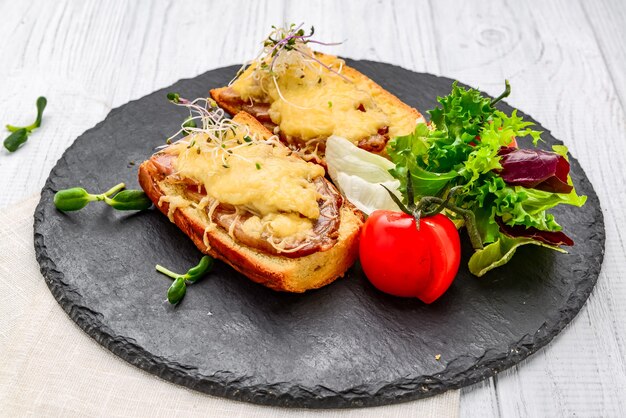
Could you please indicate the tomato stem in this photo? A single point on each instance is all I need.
(422, 209)
(470, 225)
(397, 201)
(410, 195)
(468, 216)
(417, 215)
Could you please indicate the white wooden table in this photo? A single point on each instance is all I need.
(566, 61)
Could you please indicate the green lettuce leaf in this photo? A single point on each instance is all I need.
(462, 112)
(410, 152)
(486, 224)
(406, 148)
(517, 205)
(499, 253)
(425, 183)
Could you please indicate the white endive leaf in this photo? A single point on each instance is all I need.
(359, 175)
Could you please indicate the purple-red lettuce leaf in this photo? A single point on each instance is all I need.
(552, 238)
(534, 169)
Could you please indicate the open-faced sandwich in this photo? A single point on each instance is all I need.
(305, 97)
(247, 199)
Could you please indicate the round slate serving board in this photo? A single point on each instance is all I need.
(345, 345)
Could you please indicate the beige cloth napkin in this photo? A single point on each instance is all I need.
(50, 367)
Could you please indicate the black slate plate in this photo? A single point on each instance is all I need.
(345, 345)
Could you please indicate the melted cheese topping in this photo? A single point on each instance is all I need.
(257, 176)
(174, 202)
(309, 101)
(400, 124)
(279, 225)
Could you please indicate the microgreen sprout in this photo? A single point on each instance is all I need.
(292, 38)
(175, 97)
(77, 198)
(177, 290)
(285, 47)
(208, 130)
(189, 123)
(203, 115)
(19, 134)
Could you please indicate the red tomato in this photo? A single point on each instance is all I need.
(401, 260)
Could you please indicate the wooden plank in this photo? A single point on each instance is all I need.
(63, 52)
(608, 23)
(394, 32)
(480, 400)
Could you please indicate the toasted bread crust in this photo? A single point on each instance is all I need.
(276, 272)
(254, 125)
(218, 96)
(384, 94)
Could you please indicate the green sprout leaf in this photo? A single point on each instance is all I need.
(205, 265)
(19, 134)
(189, 123)
(17, 138)
(174, 97)
(177, 290)
(77, 198)
(72, 199)
(42, 102)
(130, 200)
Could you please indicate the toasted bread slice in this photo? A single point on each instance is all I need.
(274, 271)
(402, 117)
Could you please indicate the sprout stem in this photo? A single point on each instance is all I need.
(29, 128)
(114, 190)
(167, 272)
(41, 105)
(12, 128)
